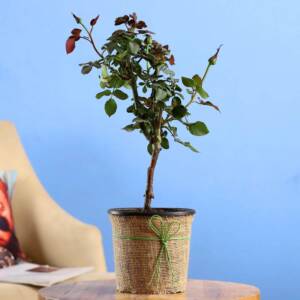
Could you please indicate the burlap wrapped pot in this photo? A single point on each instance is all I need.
(151, 249)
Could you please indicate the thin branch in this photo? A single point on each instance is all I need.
(85, 38)
(149, 194)
(91, 40)
(206, 71)
(192, 99)
(133, 84)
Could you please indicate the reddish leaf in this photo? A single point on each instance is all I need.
(121, 20)
(141, 25)
(77, 19)
(94, 21)
(172, 60)
(76, 32)
(208, 103)
(70, 44)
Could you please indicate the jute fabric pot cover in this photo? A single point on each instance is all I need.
(151, 253)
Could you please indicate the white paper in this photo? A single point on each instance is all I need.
(20, 274)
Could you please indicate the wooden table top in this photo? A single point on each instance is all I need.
(105, 290)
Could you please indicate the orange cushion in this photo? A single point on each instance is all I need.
(8, 237)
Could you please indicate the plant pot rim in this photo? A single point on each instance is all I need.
(162, 211)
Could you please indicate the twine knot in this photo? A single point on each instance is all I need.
(165, 233)
(164, 242)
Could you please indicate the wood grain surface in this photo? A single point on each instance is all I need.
(105, 290)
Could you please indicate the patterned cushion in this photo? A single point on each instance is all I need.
(8, 238)
(6, 258)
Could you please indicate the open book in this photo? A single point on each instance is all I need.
(38, 275)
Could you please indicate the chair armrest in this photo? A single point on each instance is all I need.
(46, 232)
(54, 237)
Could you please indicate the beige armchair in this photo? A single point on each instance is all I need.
(47, 234)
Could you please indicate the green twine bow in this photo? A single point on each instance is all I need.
(164, 232)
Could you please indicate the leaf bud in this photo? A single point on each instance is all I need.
(213, 60)
(77, 19)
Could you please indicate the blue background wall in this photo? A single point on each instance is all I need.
(245, 184)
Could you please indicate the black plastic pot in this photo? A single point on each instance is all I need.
(164, 212)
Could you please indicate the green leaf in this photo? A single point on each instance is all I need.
(140, 120)
(131, 108)
(178, 88)
(161, 104)
(116, 82)
(165, 143)
(86, 69)
(104, 93)
(127, 85)
(104, 71)
(102, 84)
(179, 111)
(131, 127)
(202, 92)
(186, 144)
(147, 130)
(198, 128)
(120, 56)
(134, 47)
(176, 101)
(160, 94)
(150, 148)
(119, 94)
(110, 107)
(208, 103)
(187, 81)
(197, 80)
(144, 89)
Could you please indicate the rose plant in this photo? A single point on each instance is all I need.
(151, 244)
(132, 61)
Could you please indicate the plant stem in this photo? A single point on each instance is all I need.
(91, 40)
(206, 71)
(192, 99)
(149, 194)
(195, 93)
(133, 85)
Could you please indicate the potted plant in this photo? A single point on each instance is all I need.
(151, 245)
